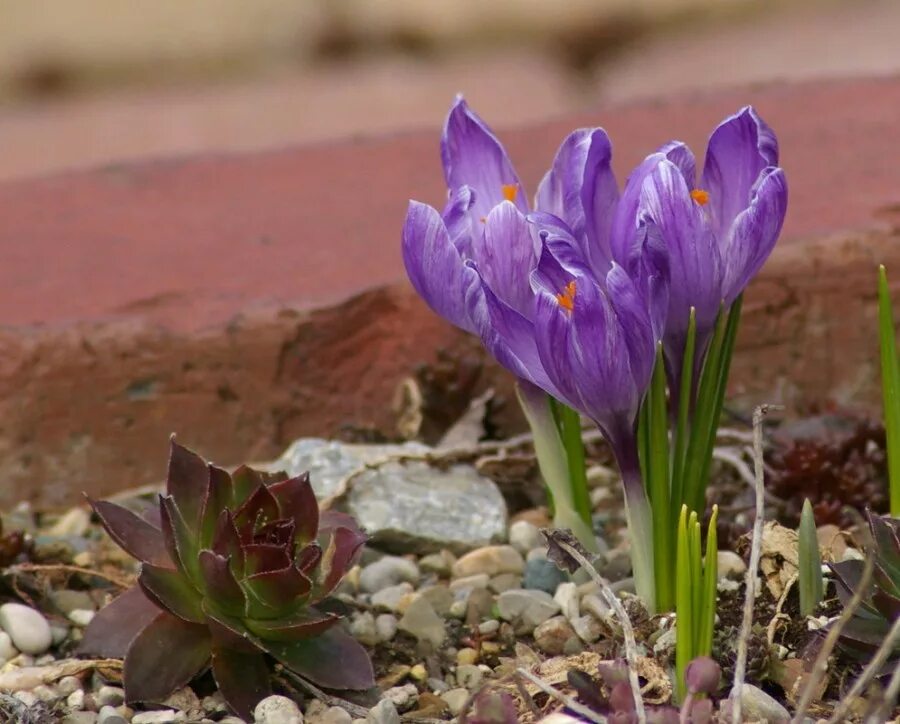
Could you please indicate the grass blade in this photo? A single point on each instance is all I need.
(657, 471)
(890, 387)
(684, 631)
(811, 588)
(682, 427)
(569, 422)
(707, 615)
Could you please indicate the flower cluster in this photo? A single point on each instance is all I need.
(233, 567)
(573, 294)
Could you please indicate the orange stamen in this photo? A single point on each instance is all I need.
(700, 196)
(567, 298)
(510, 191)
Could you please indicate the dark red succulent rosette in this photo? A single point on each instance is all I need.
(232, 567)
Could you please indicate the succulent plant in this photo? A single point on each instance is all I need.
(868, 628)
(233, 568)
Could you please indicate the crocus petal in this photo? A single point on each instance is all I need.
(625, 236)
(434, 265)
(580, 342)
(505, 254)
(739, 149)
(581, 189)
(694, 258)
(461, 226)
(473, 156)
(508, 336)
(754, 233)
(630, 305)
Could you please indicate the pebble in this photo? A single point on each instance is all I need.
(505, 581)
(567, 597)
(587, 628)
(161, 716)
(384, 712)
(385, 627)
(479, 606)
(226, 720)
(487, 628)
(466, 584)
(362, 628)
(456, 699)
(525, 607)
(331, 715)
(466, 656)
(404, 697)
(439, 597)
(45, 693)
(81, 616)
(387, 571)
(418, 672)
(75, 700)
(68, 685)
(26, 697)
(552, 635)
(595, 606)
(758, 705)
(28, 629)
(524, 536)
(730, 565)
(80, 717)
(438, 563)
(7, 650)
(277, 709)
(469, 676)
(109, 715)
(421, 621)
(110, 695)
(59, 633)
(75, 522)
(391, 596)
(492, 560)
(542, 575)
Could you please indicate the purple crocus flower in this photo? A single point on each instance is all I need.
(718, 232)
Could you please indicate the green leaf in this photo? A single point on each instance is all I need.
(334, 660)
(696, 577)
(890, 386)
(707, 617)
(657, 483)
(685, 399)
(684, 631)
(569, 423)
(810, 562)
(172, 591)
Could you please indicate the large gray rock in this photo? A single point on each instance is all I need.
(407, 507)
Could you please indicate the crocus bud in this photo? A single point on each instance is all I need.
(702, 675)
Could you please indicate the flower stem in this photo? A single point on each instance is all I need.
(554, 462)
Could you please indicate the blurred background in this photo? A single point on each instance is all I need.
(88, 82)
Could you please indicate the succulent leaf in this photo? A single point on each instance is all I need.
(164, 656)
(220, 583)
(187, 481)
(333, 660)
(337, 558)
(243, 679)
(263, 557)
(136, 536)
(172, 592)
(305, 624)
(180, 540)
(217, 499)
(297, 501)
(227, 543)
(257, 510)
(116, 624)
(277, 590)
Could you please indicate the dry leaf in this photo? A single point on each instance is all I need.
(779, 557)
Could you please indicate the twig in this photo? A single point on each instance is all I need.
(890, 696)
(820, 665)
(355, 710)
(627, 631)
(526, 697)
(568, 701)
(872, 668)
(778, 615)
(18, 568)
(740, 668)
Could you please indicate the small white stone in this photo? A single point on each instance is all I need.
(456, 699)
(387, 571)
(109, 715)
(384, 712)
(45, 660)
(595, 606)
(161, 716)
(75, 522)
(469, 676)
(391, 596)
(7, 650)
(524, 536)
(58, 633)
(75, 700)
(492, 560)
(110, 696)
(81, 616)
(402, 696)
(730, 565)
(277, 709)
(68, 684)
(385, 627)
(588, 628)
(567, 597)
(26, 697)
(28, 629)
(330, 715)
(46, 693)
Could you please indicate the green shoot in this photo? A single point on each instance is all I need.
(890, 387)
(811, 588)
(657, 482)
